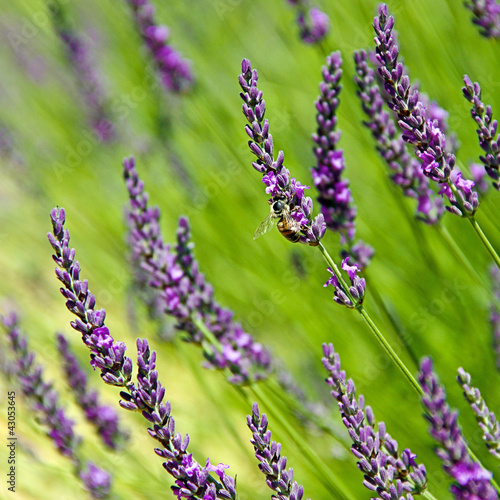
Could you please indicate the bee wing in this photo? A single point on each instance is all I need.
(265, 226)
(290, 221)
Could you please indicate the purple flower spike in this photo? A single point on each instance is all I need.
(485, 418)
(486, 130)
(393, 475)
(184, 293)
(271, 463)
(289, 205)
(356, 290)
(77, 54)
(191, 479)
(418, 130)
(313, 23)
(406, 171)
(472, 480)
(486, 15)
(174, 70)
(45, 402)
(103, 417)
(337, 205)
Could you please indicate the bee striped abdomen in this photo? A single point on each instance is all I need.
(291, 234)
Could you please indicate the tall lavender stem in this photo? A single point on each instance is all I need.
(191, 479)
(175, 72)
(486, 15)
(472, 481)
(45, 403)
(387, 472)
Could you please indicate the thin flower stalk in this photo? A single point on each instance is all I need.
(186, 295)
(335, 197)
(421, 132)
(50, 413)
(406, 171)
(486, 130)
(313, 23)
(102, 417)
(192, 480)
(271, 463)
(392, 475)
(175, 72)
(472, 480)
(485, 418)
(485, 15)
(78, 56)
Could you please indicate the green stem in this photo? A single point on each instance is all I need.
(332, 483)
(485, 241)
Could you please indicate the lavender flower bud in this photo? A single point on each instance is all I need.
(486, 15)
(390, 474)
(313, 24)
(472, 481)
(97, 481)
(355, 294)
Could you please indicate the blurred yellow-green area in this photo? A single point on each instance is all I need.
(191, 151)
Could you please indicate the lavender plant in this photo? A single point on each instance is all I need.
(421, 132)
(313, 23)
(485, 418)
(472, 480)
(78, 56)
(387, 472)
(486, 130)
(47, 408)
(271, 463)
(335, 198)
(175, 72)
(486, 15)
(107, 355)
(103, 417)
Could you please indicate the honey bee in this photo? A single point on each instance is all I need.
(287, 226)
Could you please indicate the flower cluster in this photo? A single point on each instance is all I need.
(418, 130)
(472, 481)
(391, 146)
(495, 313)
(348, 296)
(334, 194)
(271, 463)
(486, 130)
(486, 419)
(191, 479)
(184, 291)
(91, 88)
(175, 71)
(487, 16)
(103, 417)
(391, 474)
(50, 413)
(313, 23)
(284, 189)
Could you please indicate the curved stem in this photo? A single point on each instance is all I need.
(485, 241)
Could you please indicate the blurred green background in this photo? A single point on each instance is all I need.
(192, 153)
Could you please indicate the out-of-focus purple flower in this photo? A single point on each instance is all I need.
(271, 463)
(486, 15)
(116, 369)
(174, 70)
(418, 130)
(96, 480)
(473, 481)
(391, 474)
(486, 130)
(78, 55)
(495, 312)
(391, 146)
(45, 402)
(356, 290)
(103, 417)
(479, 177)
(186, 295)
(337, 204)
(313, 23)
(288, 202)
(485, 418)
